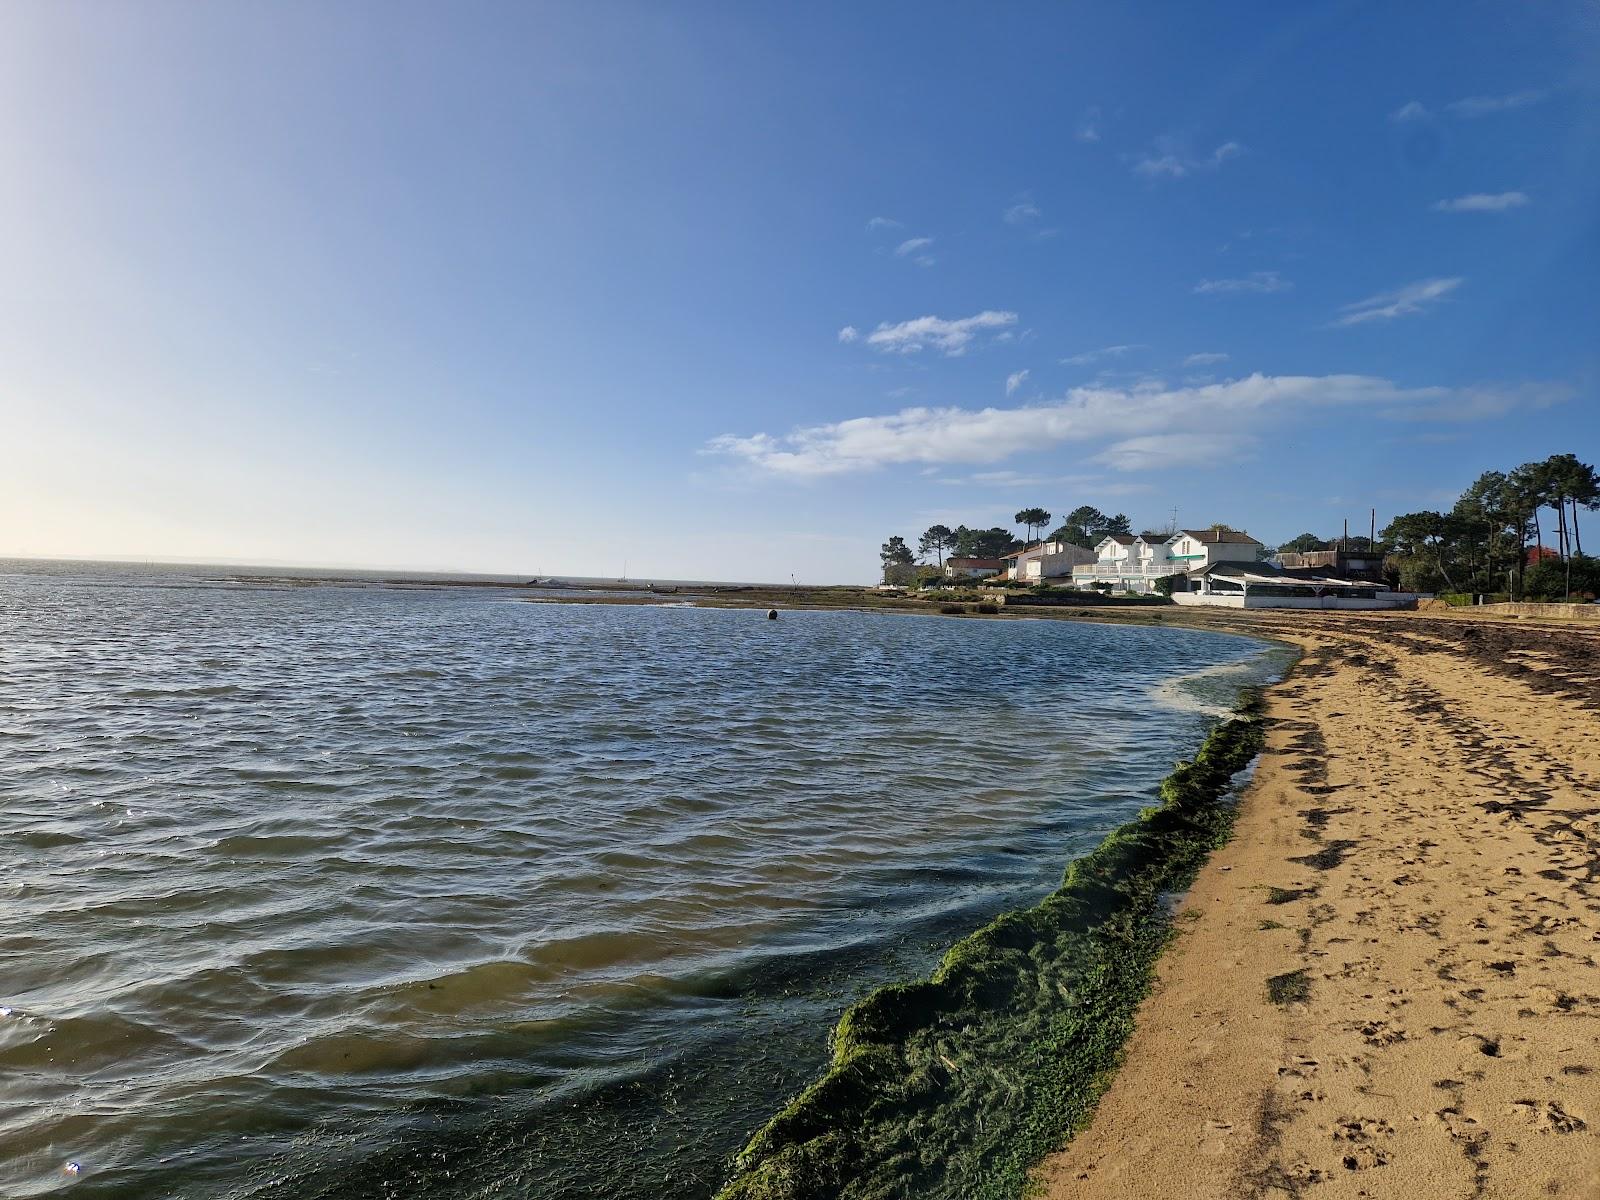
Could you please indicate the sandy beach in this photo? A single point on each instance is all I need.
(1386, 984)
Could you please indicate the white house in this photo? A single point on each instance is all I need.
(1046, 560)
(1262, 585)
(1133, 564)
(972, 568)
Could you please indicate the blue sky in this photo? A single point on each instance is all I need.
(737, 291)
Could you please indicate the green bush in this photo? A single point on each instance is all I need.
(1547, 580)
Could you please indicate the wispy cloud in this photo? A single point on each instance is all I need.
(1469, 107)
(1166, 162)
(1205, 358)
(1015, 380)
(1089, 124)
(884, 223)
(1023, 212)
(1485, 403)
(1025, 215)
(1484, 202)
(913, 249)
(1256, 281)
(949, 337)
(1239, 407)
(1411, 300)
(1100, 484)
(1158, 449)
(1482, 106)
(1089, 357)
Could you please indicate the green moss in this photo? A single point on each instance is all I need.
(956, 1085)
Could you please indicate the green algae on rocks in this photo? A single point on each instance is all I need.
(953, 1087)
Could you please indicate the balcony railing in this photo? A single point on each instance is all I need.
(1118, 566)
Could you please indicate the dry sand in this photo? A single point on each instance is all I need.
(1417, 866)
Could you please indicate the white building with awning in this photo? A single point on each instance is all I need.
(1261, 585)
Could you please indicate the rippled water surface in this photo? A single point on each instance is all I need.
(355, 891)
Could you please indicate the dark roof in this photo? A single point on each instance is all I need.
(973, 562)
(1122, 539)
(1266, 572)
(1214, 536)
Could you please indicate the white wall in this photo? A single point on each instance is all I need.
(1389, 600)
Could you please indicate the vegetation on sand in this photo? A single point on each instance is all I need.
(955, 1086)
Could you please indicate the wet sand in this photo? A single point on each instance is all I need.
(1386, 984)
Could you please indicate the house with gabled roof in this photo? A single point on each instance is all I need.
(1045, 560)
(1133, 564)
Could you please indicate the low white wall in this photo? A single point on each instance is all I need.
(1391, 600)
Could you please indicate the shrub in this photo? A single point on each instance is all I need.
(1548, 579)
(988, 610)
(951, 610)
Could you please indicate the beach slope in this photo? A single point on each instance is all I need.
(1386, 984)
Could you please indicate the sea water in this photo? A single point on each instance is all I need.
(350, 890)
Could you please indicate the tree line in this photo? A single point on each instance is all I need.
(1493, 538)
(1084, 526)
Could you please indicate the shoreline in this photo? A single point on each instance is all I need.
(1221, 1090)
(915, 1063)
(1386, 983)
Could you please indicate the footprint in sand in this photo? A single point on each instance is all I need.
(1381, 1033)
(1300, 1067)
(1548, 1116)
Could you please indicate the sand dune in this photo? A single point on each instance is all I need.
(1386, 985)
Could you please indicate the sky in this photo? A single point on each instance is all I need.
(737, 291)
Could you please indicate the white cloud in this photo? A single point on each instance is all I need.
(989, 435)
(1484, 202)
(1205, 358)
(1469, 107)
(1015, 380)
(1021, 213)
(1485, 403)
(1089, 126)
(884, 223)
(1167, 162)
(1482, 106)
(849, 334)
(950, 337)
(1089, 357)
(912, 245)
(1256, 281)
(1163, 449)
(1409, 301)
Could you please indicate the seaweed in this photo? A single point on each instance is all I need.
(1292, 987)
(956, 1085)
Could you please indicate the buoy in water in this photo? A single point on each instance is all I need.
(772, 614)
